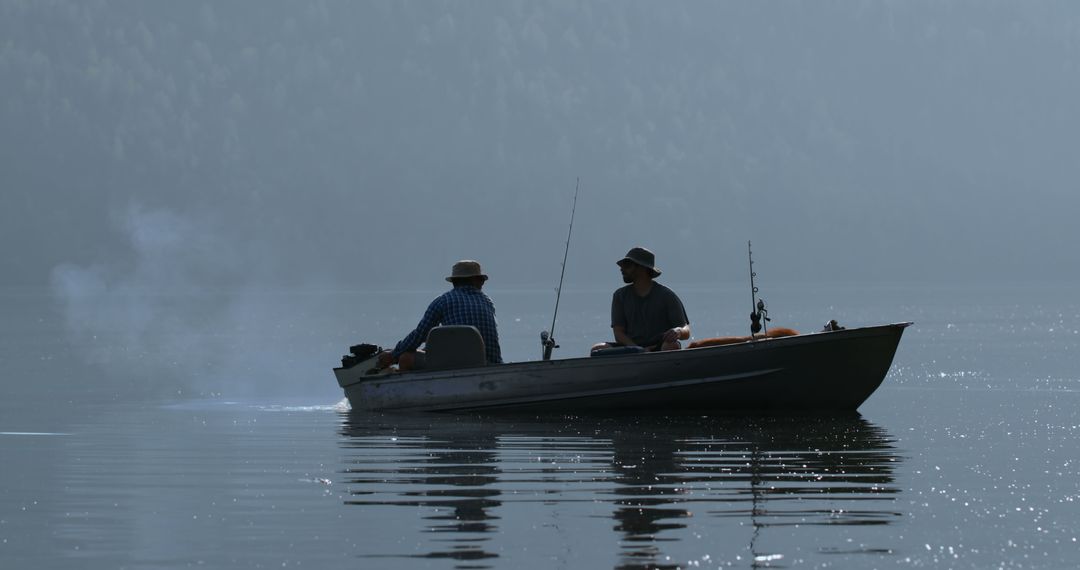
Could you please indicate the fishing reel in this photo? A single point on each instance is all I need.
(757, 316)
(758, 311)
(547, 343)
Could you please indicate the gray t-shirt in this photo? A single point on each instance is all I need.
(645, 319)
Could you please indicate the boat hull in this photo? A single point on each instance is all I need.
(835, 370)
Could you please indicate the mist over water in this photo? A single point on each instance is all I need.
(176, 315)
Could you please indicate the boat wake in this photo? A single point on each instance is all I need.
(31, 433)
(341, 406)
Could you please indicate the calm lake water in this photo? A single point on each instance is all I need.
(175, 431)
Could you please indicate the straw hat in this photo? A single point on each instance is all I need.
(465, 269)
(642, 257)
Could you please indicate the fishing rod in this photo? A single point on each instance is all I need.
(547, 339)
(757, 306)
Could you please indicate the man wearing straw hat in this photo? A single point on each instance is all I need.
(645, 313)
(465, 304)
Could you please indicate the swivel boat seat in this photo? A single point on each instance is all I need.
(454, 346)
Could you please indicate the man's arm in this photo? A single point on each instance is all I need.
(432, 317)
(618, 321)
(677, 316)
(492, 349)
(677, 333)
(621, 337)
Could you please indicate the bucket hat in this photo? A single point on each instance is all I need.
(642, 257)
(465, 269)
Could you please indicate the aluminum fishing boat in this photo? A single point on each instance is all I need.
(828, 370)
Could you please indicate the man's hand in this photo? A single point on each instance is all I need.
(385, 359)
(672, 335)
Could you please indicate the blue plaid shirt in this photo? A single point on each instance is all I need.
(465, 305)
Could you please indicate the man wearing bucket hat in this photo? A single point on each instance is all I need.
(645, 313)
(465, 304)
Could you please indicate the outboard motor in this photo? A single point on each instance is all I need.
(359, 353)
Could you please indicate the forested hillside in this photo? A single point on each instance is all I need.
(372, 143)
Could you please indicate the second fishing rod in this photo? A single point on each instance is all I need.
(547, 338)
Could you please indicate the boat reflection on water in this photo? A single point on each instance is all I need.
(486, 486)
(761, 472)
(454, 476)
